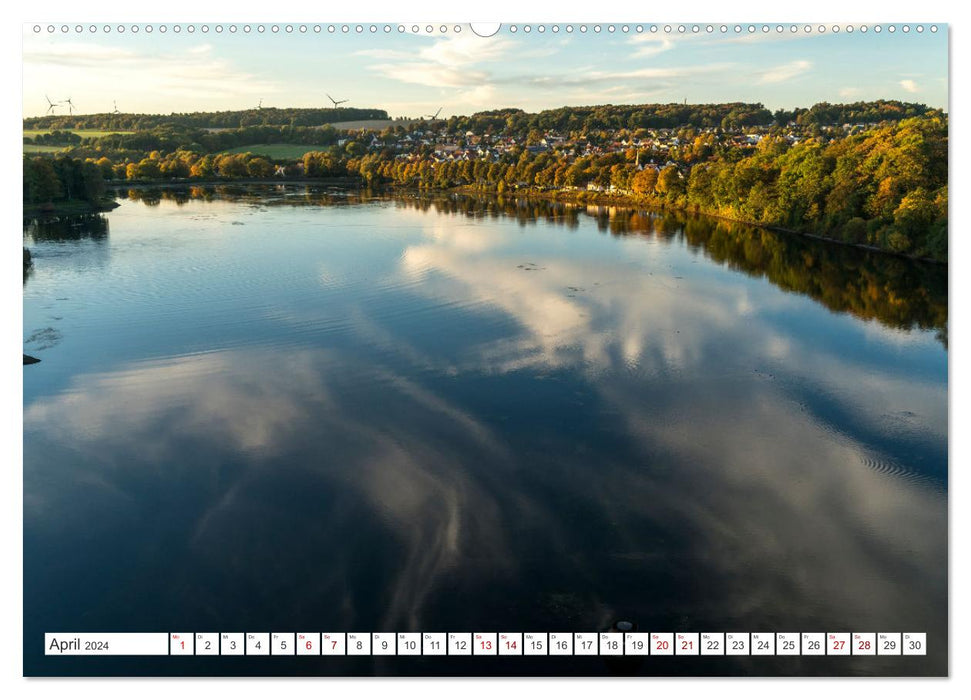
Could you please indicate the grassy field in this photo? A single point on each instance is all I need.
(83, 133)
(278, 151)
(41, 148)
(373, 124)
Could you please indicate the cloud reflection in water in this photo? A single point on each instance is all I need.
(634, 438)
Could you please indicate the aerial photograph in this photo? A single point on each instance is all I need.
(428, 350)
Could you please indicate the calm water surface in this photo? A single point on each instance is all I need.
(292, 409)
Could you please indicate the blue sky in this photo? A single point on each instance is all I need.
(412, 75)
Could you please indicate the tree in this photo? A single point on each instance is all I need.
(232, 165)
(353, 148)
(260, 167)
(148, 169)
(93, 182)
(700, 187)
(854, 231)
(915, 215)
(645, 181)
(41, 183)
(205, 167)
(621, 176)
(318, 164)
(669, 182)
(107, 170)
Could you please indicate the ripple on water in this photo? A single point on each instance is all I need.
(895, 470)
(43, 338)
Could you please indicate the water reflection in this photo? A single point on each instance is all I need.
(898, 292)
(290, 499)
(262, 196)
(52, 240)
(66, 228)
(442, 414)
(242, 430)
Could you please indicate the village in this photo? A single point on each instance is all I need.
(658, 148)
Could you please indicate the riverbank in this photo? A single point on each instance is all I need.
(593, 198)
(577, 197)
(70, 207)
(337, 181)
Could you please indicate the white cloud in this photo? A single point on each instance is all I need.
(465, 49)
(849, 92)
(786, 71)
(650, 45)
(189, 79)
(471, 69)
(447, 63)
(909, 85)
(72, 54)
(430, 74)
(479, 96)
(590, 76)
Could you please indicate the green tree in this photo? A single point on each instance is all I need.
(854, 230)
(41, 183)
(353, 148)
(260, 167)
(670, 183)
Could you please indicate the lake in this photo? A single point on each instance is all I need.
(290, 408)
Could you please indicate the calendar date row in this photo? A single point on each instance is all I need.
(488, 644)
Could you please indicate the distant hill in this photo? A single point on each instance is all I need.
(377, 124)
(270, 116)
(732, 115)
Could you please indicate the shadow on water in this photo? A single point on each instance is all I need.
(59, 229)
(28, 264)
(66, 228)
(257, 195)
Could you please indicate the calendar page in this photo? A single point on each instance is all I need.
(517, 349)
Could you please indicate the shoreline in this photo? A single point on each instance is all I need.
(70, 207)
(337, 180)
(584, 197)
(579, 197)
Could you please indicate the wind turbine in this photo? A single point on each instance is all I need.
(50, 105)
(260, 105)
(433, 117)
(115, 105)
(336, 102)
(70, 105)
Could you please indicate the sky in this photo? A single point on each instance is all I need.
(414, 74)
